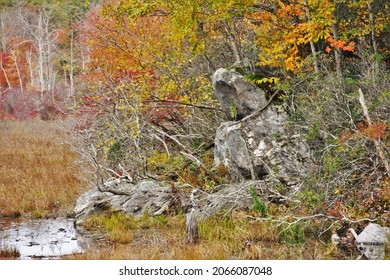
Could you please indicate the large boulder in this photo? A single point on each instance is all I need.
(262, 145)
(237, 97)
(122, 195)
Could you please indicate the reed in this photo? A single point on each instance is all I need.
(9, 253)
(37, 171)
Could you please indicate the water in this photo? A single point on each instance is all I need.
(43, 239)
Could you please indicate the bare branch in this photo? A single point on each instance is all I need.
(376, 142)
(182, 103)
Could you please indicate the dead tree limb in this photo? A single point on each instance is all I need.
(183, 104)
(376, 142)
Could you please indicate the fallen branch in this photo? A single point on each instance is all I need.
(257, 112)
(290, 221)
(194, 159)
(163, 142)
(376, 142)
(187, 152)
(204, 107)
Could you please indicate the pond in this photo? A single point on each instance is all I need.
(43, 239)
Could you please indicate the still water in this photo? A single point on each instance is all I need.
(43, 239)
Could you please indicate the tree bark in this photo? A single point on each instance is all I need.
(192, 234)
(371, 17)
(29, 62)
(235, 47)
(17, 70)
(337, 55)
(5, 73)
(71, 70)
(312, 46)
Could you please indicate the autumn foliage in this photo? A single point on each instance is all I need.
(340, 45)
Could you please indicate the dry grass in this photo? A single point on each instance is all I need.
(9, 253)
(220, 238)
(37, 174)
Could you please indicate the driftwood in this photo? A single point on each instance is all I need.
(192, 234)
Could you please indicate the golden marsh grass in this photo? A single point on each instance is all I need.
(37, 173)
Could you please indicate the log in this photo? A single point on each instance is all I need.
(192, 234)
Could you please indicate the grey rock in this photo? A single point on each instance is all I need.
(231, 89)
(121, 195)
(371, 241)
(262, 145)
(234, 196)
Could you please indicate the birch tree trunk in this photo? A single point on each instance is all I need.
(71, 69)
(44, 44)
(3, 37)
(17, 70)
(40, 48)
(30, 66)
(5, 73)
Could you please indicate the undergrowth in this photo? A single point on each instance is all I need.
(224, 236)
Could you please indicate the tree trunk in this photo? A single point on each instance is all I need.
(372, 25)
(71, 70)
(29, 62)
(39, 41)
(371, 17)
(314, 53)
(5, 73)
(49, 67)
(312, 46)
(337, 55)
(3, 39)
(17, 70)
(192, 234)
(235, 47)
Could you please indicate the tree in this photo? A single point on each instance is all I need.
(284, 29)
(30, 60)
(148, 59)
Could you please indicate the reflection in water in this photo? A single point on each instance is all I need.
(51, 238)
